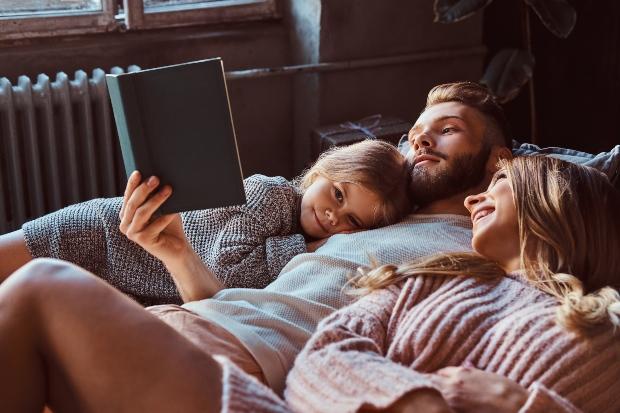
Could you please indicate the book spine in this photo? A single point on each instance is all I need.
(125, 107)
(232, 123)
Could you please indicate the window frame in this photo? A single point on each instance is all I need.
(187, 15)
(134, 17)
(60, 23)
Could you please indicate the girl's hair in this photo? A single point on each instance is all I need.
(478, 97)
(569, 239)
(376, 165)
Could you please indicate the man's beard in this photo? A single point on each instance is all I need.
(463, 172)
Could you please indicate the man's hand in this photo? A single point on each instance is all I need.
(467, 389)
(163, 237)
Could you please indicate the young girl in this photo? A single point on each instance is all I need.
(348, 189)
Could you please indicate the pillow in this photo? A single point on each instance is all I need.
(606, 162)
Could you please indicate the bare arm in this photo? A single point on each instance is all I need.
(194, 280)
(13, 253)
(163, 237)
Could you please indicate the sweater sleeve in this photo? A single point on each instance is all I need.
(544, 400)
(243, 393)
(87, 234)
(257, 241)
(344, 365)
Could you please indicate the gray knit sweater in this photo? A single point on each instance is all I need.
(245, 246)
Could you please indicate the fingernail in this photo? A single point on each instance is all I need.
(151, 182)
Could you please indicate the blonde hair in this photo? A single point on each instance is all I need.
(373, 164)
(569, 239)
(480, 98)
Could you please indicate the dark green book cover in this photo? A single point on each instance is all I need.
(175, 122)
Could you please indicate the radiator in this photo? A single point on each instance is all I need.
(59, 145)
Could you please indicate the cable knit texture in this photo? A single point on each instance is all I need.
(389, 343)
(245, 246)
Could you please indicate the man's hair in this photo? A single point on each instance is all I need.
(373, 164)
(478, 97)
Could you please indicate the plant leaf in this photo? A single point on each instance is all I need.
(452, 11)
(508, 72)
(557, 15)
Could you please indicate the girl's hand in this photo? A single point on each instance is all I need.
(467, 389)
(163, 237)
(315, 245)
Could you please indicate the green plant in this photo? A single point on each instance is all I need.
(511, 69)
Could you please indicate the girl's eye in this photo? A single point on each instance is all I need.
(354, 222)
(339, 195)
(448, 129)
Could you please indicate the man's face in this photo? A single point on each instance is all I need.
(447, 152)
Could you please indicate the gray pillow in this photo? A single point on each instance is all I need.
(606, 162)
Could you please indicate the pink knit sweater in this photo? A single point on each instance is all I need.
(389, 342)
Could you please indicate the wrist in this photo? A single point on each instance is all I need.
(180, 259)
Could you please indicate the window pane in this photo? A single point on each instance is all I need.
(38, 7)
(172, 3)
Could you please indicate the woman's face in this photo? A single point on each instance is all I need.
(495, 226)
(329, 207)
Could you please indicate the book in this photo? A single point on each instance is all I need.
(175, 122)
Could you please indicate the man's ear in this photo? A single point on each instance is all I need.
(497, 153)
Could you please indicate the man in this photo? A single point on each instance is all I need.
(453, 150)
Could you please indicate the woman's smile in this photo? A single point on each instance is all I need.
(481, 213)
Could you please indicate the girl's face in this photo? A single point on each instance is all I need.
(329, 207)
(495, 226)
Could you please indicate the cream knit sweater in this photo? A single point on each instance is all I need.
(390, 343)
(274, 323)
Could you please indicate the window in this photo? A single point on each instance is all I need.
(30, 18)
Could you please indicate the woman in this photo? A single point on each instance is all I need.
(547, 240)
(85, 372)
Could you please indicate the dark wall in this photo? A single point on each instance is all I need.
(577, 80)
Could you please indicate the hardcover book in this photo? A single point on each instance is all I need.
(174, 122)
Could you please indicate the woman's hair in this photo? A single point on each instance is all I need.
(373, 164)
(478, 97)
(569, 236)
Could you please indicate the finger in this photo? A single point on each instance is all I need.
(132, 183)
(138, 198)
(469, 364)
(153, 229)
(144, 213)
(447, 371)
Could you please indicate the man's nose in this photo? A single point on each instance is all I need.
(423, 140)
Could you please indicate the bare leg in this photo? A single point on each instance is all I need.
(13, 253)
(70, 340)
